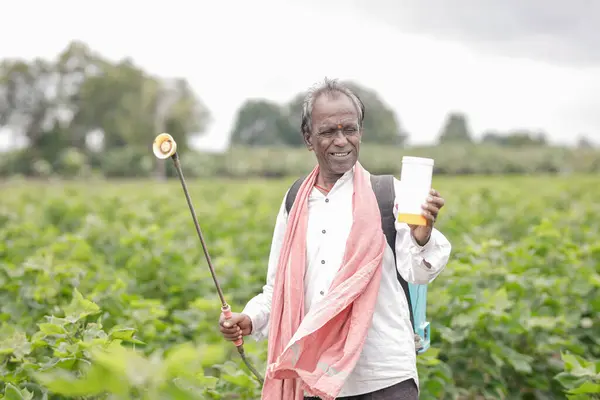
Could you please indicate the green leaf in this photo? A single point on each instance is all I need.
(17, 345)
(14, 393)
(569, 381)
(543, 322)
(209, 382)
(67, 384)
(79, 307)
(572, 362)
(52, 329)
(578, 366)
(520, 362)
(240, 379)
(500, 300)
(465, 320)
(124, 334)
(587, 388)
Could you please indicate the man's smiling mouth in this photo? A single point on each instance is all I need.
(340, 154)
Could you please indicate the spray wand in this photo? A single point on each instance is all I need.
(164, 146)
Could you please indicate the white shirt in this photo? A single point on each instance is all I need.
(388, 356)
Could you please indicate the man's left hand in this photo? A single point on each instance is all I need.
(431, 209)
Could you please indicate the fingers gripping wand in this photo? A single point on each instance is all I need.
(164, 146)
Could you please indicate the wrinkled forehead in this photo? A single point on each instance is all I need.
(337, 122)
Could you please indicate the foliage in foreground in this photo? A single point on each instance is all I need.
(104, 293)
(75, 356)
(581, 377)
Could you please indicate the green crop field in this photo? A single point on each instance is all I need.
(105, 292)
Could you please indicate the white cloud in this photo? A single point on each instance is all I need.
(233, 50)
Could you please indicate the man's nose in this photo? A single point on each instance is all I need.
(340, 139)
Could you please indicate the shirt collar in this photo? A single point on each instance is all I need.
(344, 179)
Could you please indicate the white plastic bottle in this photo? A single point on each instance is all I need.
(415, 183)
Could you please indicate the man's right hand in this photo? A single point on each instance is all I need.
(237, 326)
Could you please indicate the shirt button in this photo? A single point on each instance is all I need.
(323, 231)
(322, 261)
(322, 293)
(326, 200)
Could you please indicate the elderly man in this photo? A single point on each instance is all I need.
(335, 315)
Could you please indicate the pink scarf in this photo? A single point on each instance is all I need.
(316, 353)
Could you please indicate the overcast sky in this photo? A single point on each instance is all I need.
(507, 64)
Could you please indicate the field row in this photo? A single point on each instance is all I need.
(117, 267)
(240, 162)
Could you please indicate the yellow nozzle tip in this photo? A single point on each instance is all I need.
(164, 146)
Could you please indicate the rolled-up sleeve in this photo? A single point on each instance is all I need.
(259, 307)
(420, 264)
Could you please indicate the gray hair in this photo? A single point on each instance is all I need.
(328, 86)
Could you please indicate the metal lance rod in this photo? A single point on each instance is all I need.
(164, 146)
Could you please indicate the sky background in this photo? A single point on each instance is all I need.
(507, 64)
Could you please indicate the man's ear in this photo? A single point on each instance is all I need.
(307, 141)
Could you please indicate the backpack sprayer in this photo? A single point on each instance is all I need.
(164, 146)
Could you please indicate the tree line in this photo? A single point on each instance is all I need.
(263, 123)
(81, 108)
(60, 106)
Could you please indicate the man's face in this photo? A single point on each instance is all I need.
(335, 136)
